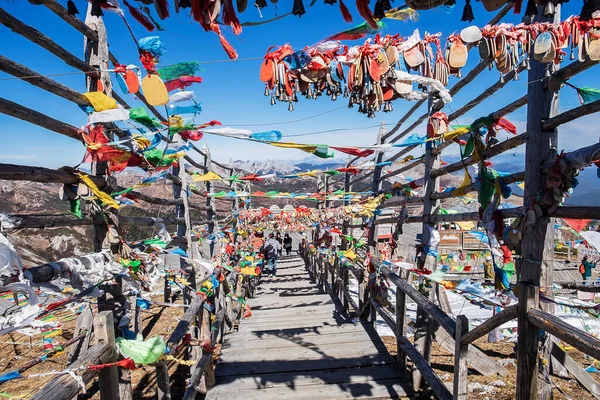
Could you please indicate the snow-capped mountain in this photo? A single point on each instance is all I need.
(285, 166)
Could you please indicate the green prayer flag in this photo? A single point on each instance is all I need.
(180, 69)
(142, 351)
(141, 116)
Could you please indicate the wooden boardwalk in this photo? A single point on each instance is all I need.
(299, 345)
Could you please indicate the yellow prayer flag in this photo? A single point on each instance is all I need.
(209, 176)
(100, 101)
(103, 197)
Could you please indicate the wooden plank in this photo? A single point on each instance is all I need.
(579, 373)
(379, 389)
(571, 115)
(576, 337)
(508, 314)
(477, 359)
(438, 387)
(315, 341)
(45, 42)
(300, 352)
(253, 367)
(34, 117)
(429, 307)
(308, 378)
(104, 333)
(64, 386)
(461, 352)
(84, 323)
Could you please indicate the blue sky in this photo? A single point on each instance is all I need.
(231, 91)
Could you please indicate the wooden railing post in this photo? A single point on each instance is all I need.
(400, 330)
(345, 287)
(460, 359)
(163, 387)
(104, 332)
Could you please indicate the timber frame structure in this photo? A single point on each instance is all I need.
(534, 264)
(534, 269)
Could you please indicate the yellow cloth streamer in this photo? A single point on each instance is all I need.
(100, 195)
(100, 101)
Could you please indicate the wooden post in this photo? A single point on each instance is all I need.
(400, 329)
(347, 185)
(432, 184)
(180, 191)
(104, 332)
(163, 387)
(372, 239)
(326, 190)
(461, 368)
(210, 202)
(96, 55)
(535, 268)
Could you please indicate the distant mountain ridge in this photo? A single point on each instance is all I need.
(284, 167)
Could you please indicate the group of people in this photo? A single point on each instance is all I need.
(273, 248)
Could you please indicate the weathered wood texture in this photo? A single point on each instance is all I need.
(508, 314)
(298, 343)
(37, 118)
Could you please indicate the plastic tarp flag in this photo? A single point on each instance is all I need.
(152, 45)
(269, 136)
(592, 237)
(577, 224)
(354, 151)
(141, 116)
(462, 189)
(9, 376)
(103, 197)
(117, 114)
(412, 140)
(209, 176)
(100, 101)
(322, 151)
(142, 351)
(466, 225)
(588, 95)
(177, 70)
(180, 96)
(176, 110)
(481, 236)
(456, 133)
(309, 148)
(350, 254)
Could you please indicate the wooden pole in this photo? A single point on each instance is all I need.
(96, 55)
(210, 203)
(372, 239)
(460, 359)
(104, 332)
(423, 323)
(535, 267)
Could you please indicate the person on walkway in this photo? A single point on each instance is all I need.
(488, 270)
(585, 269)
(271, 249)
(287, 244)
(280, 240)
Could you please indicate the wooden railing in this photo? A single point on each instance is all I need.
(333, 278)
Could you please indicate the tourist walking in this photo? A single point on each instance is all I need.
(287, 244)
(585, 269)
(271, 250)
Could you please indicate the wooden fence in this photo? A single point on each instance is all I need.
(454, 334)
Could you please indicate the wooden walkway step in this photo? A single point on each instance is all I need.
(300, 344)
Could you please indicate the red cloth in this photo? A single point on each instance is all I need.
(350, 170)
(577, 224)
(126, 363)
(354, 151)
(191, 135)
(182, 82)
